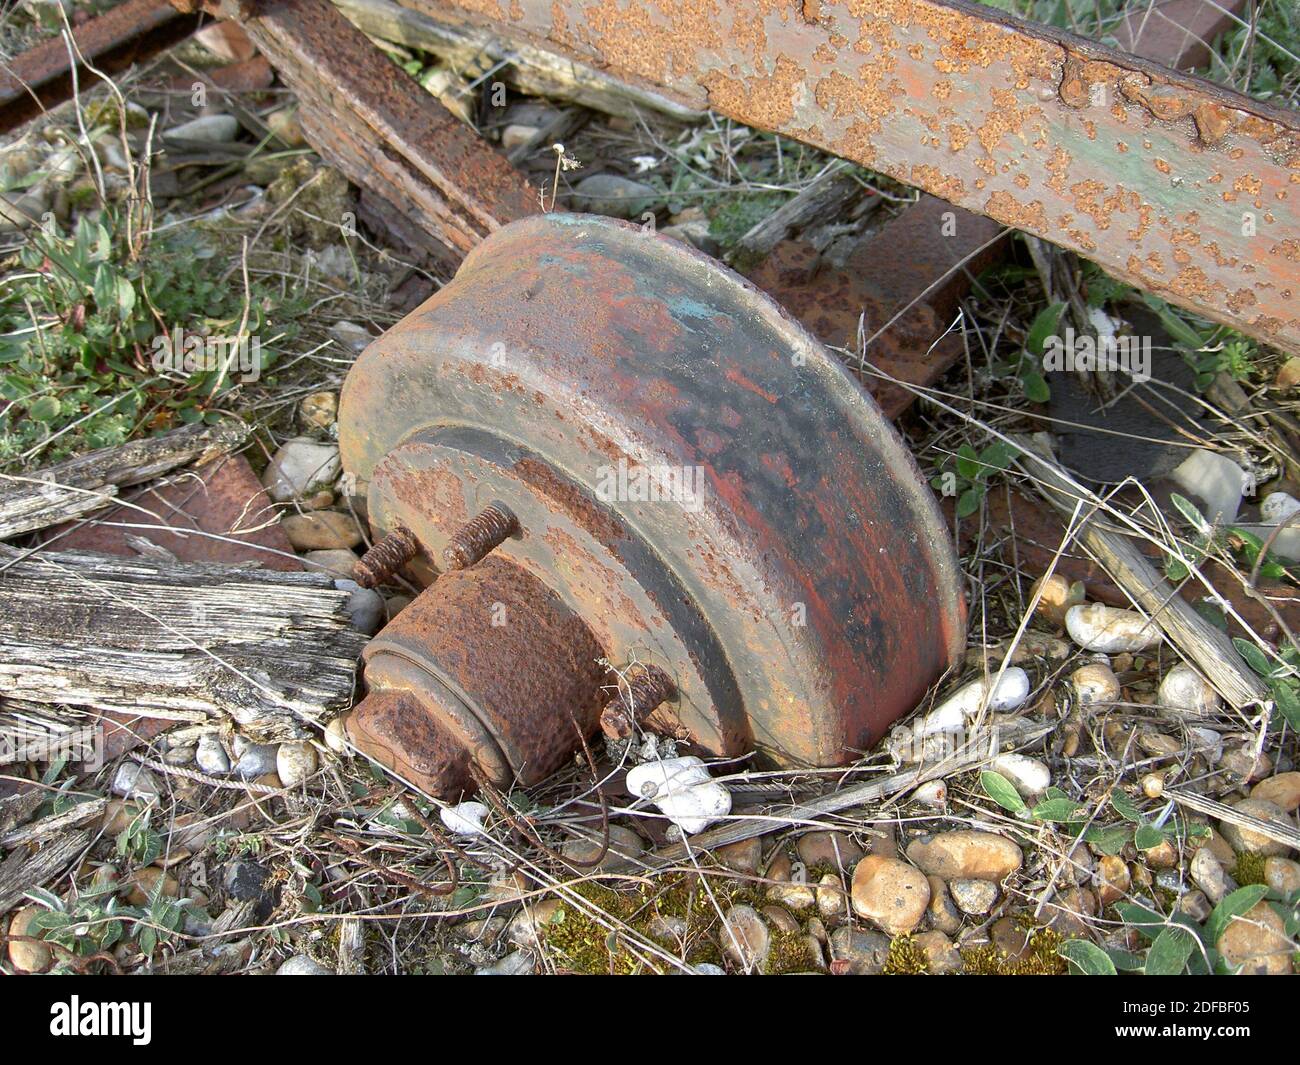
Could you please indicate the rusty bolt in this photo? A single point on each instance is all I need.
(646, 688)
(477, 537)
(389, 554)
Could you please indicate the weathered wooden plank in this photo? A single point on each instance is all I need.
(531, 70)
(353, 100)
(21, 871)
(48, 827)
(1176, 32)
(1181, 187)
(268, 648)
(88, 482)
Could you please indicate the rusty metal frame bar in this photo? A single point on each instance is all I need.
(383, 130)
(41, 76)
(1176, 185)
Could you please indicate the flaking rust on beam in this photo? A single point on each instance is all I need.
(1178, 186)
(383, 130)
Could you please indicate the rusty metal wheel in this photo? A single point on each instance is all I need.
(677, 476)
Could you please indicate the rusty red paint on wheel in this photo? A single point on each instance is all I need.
(800, 601)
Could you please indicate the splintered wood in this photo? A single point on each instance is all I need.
(89, 482)
(272, 650)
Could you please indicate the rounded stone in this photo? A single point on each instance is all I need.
(891, 893)
(975, 897)
(24, 956)
(1247, 840)
(745, 939)
(1282, 790)
(967, 855)
(1256, 941)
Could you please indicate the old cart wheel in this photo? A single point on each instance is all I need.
(667, 473)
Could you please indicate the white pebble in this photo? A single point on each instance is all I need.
(1209, 743)
(932, 793)
(465, 818)
(682, 790)
(134, 781)
(210, 756)
(1276, 507)
(1007, 692)
(1028, 775)
(301, 965)
(336, 737)
(294, 763)
(1110, 629)
(208, 129)
(1184, 689)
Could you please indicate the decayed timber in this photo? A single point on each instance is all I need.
(88, 482)
(530, 69)
(383, 131)
(267, 648)
(23, 870)
(1181, 187)
(1176, 32)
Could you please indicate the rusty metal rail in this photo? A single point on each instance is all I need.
(384, 131)
(41, 76)
(1176, 185)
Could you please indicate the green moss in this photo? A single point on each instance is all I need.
(578, 943)
(317, 191)
(1249, 869)
(1041, 958)
(906, 958)
(788, 953)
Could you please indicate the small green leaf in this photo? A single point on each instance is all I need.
(968, 462)
(1233, 905)
(1044, 326)
(1087, 958)
(44, 409)
(1145, 920)
(1057, 809)
(1169, 953)
(1035, 386)
(1125, 807)
(1147, 836)
(1109, 839)
(1288, 703)
(1190, 513)
(1255, 658)
(1000, 790)
(998, 455)
(969, 502)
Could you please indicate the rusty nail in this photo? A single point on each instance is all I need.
(647, 687)
(386, 557)
(481, 534)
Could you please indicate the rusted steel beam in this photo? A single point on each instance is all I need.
(1176, 32)
(1171, 183)
(383, 131)
(41, 76)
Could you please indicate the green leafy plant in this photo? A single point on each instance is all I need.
(138, 842)
(1282, 675)
(95, 919)
(967, 474)
(1056, 807)
(79, 323)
